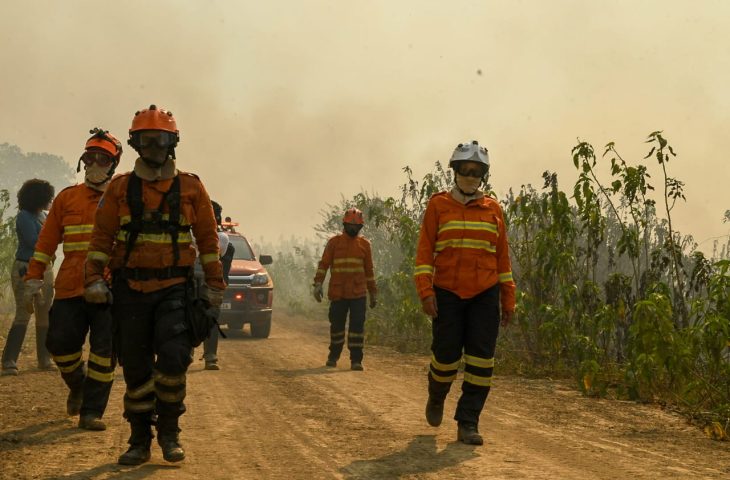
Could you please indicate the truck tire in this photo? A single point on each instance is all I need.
(235, 324)
(261, 328)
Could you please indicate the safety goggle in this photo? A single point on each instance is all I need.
(471, 171)
(101, 159)
(159, 139)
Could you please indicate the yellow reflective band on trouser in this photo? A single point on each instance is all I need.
(348, 270)
(138, 407)
(423, 270)
(98, 256)
(466, 243)
(208, 257)
(479, 362)
(99, 376)
(464, 225)
(505, 277)
(171, 397)
(169, 380)
(77, 229)
(444, 367)
(477, 380)
(69, 368)
(75, 246)
(355, 345)
(441, 379)
(339, 261)
(42, 257)
(141, 391)
(102, 361)
(67, 358)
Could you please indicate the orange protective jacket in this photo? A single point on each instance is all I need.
(463, 249)
(350, 262)
(70, 221)
(108, 241)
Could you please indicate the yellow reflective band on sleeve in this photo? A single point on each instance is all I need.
(102, 361)
(370, 279)
(67, 358)
(208, 257)
(338, 261)
(477, 380)
(464, 225)
(183, 237)
(444, 367)
(505, 277)
(70, 368)
(76, 229)
(348, 270)
(98, 256)
(466, 243)
(42, 257)
(75, 246)
(423, 270)
(441, 379)
(99, 376)
(479, 362)
(319, 270)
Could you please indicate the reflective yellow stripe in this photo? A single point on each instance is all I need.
(138, 407)
(208, 257)
(171, 397)
(466, 243)
(67, 358)
(98, 256)
(444, 367)
(441, 379)
(69, 368)
(338, 334)
(42, 257)
(464, 225)
(348, 270)
(124, 219)
(477, 380)
(423, 270)
(142, 390)
(356, 335)
(479, 362)
(76, 229)
(348, 260)
(319, 270)
(505, 277)
(337, 342)
(99, 376)
(169, 380)
(370, 279)
(355, 345)
(75, 246)
(183, 237)
(102, 361)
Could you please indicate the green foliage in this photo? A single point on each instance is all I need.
(8, 243)
(17, 167)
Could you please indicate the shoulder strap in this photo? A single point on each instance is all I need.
(136, 209)
(173, 202)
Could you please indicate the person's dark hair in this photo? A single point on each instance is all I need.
(35, 195)
(217, 211)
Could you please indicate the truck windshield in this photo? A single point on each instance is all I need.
(243, 249)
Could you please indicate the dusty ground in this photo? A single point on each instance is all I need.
(274, 412)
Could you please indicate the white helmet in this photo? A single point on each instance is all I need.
(471, 152)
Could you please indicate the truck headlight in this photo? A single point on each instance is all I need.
(260, 279)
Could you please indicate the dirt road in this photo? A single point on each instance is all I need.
(274, 412)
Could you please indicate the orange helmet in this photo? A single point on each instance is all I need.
(353, 215)
(102, 140)
(154, 118)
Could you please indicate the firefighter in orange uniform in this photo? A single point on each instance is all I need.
(143, 234)
(463, 276)
(70, 221)
(348, 257)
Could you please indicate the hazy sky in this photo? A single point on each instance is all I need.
(285, 105)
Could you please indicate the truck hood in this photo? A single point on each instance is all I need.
(246, 267)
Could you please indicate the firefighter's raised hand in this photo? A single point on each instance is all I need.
(98, 292)
(507, 317)
(318, 292)
(429, 306)
(32, 289)
(373, 300)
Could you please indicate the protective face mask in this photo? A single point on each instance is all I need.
(352, 230)
(96, 174)
(468, 185)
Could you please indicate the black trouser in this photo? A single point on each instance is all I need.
(210, 346)
(154, 350)
(469, 326)
(70, 319)
(356, 331)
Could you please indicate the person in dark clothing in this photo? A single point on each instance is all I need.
(210, 345)
(33, 198)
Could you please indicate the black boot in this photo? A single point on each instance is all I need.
(16, 335)
(139, 443)
(434, 411)
(167, 437)
(44, 357)
(468, 433)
